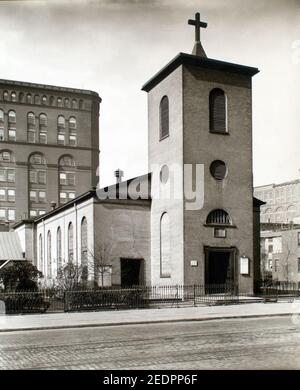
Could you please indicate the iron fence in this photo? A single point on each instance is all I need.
(273, 291)
(55, 300)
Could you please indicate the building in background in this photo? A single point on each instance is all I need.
(280, 252)
(49, 147)
(282, 202)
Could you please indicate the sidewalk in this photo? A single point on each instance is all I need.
(144, 316)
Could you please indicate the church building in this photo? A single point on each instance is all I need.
(192, 219)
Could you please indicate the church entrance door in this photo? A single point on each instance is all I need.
(220, 267)
(131, 272)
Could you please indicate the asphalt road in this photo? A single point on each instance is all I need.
(264, 343)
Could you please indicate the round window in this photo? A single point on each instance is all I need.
(218, 169)
(164, 174)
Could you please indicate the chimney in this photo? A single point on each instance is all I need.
(53, 205)
(118, 175)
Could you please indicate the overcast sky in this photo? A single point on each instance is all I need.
(114, 46)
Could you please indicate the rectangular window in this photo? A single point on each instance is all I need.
(42, 196)
(11, 195)
(33, 213)
(31, 136)
(11, 215)
(270, 249)
(2, 214)
(63, 197)
(42, 177)
(220, 233)
(298, 238)
(32, 177)
(33, 196)
(42, 212)
(43, 138)
(1, 134)
(276, 265)
(11, 135)
(2, 174)
(6, 156)
(62, 178)
(71, 195)
(2, 194)
(72, 140)
(270, 265)
(298, 264)
(61, 139)
(11, 175)
(71, 179)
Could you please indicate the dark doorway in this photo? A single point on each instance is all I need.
(131, 272)
(219, 266)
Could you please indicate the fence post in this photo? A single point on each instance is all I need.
(194, 295)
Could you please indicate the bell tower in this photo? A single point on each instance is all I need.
(200, 119)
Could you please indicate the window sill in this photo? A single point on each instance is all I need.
(162, 138)
(219, 132)
(220, 226)
(165, 276)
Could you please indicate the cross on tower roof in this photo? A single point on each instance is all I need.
(198, 49)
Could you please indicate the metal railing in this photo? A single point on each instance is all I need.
(55, 300)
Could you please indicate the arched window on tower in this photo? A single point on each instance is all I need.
(44, 99)
(43, 128)
(164, 117)
(84, 249)
(217, 111)
(218, 217)
(70, 243)
(5, 95)
(72, 131)
(67, 178)
(2, 131)
(29, 98)
(13, 96)
(61, 130)
(12, 119)
(165, 246)
(31, 130)
(21, 97)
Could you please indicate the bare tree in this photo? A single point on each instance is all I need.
(69, 276)
(100, 262)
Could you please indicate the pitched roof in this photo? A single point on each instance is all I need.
(189, 59)
(10, 247)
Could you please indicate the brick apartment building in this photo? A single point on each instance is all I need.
(49, 147)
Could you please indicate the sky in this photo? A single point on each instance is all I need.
(114, 46)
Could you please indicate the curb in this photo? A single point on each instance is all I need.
(100, 325)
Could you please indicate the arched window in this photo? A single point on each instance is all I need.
(5, 95)
(31, 131)
(70, 243)
(72, 131)
(13, 96)
(49, 257)
(29, 98)
(84, 248)
(67, 102)
(12, 116)
(41, 253)
(12, 125)
(217, 111)
(291, 212)
(36, 99)
(61, 128)
(43, 128)
(21, 97)
(58, 248)
(165, 246)
(44, 99)
(80, 104)
(164, 117)
(74, 103)
(51, 100)
(2, 132)
(67, 177)
(218, 217)
(59, 102)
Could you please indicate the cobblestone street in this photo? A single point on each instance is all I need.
(264, 343)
